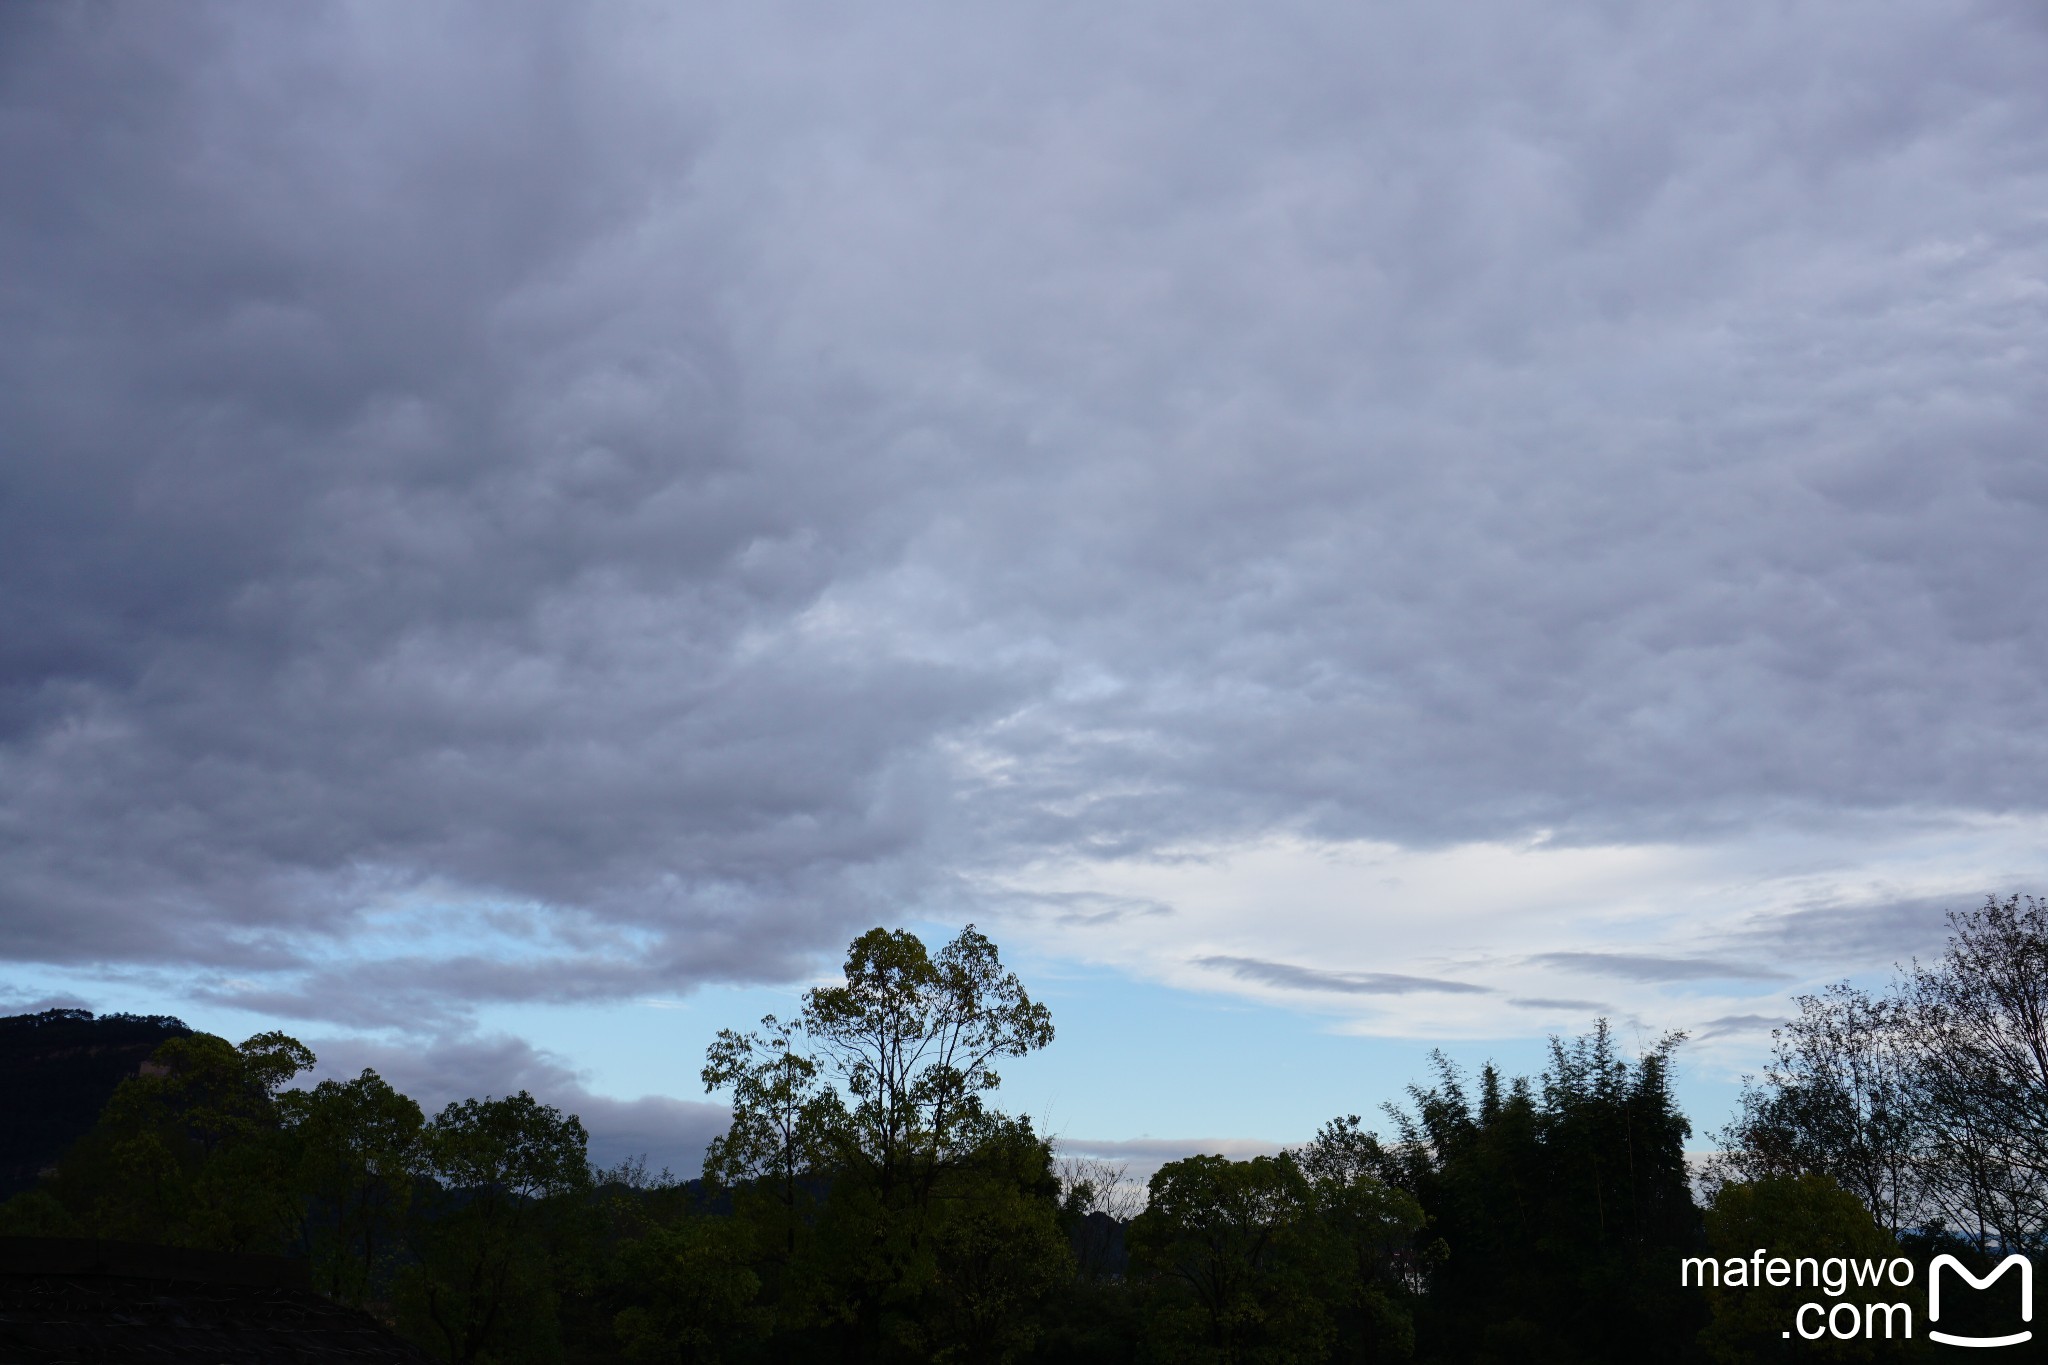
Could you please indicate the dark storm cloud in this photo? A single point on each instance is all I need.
(1287, 976)
(694, 483)
(1648, 967)
(381, 521)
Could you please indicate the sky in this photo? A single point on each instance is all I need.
(1327, 531)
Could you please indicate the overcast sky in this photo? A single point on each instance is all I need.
(1428, 522)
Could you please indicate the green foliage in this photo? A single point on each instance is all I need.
(505, 1227)
(356, 1151)
(1838, 1100)
(1980, 1080)
(894, 1210)
(1373, 1227)
(910, 1042)
(779, 1109)
(1555, 1218)
(1240, 1267)
(38, 1213)
(190, 1152)
(870, 1203)
(962, 1275)
(59, 1067)
(1928, 1101)
(691, 1297)
(1091, 1322)
(999, 1249)
(1804, 1215)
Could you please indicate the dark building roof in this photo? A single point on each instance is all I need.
(85, 1302)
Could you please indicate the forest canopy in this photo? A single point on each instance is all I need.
(870, 1200)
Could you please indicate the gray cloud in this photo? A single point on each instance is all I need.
(1287, 976)
(1167, 1148)
(1142, 1157)
(1079, 909)
(1648, 967)
(1854, 932)
(665, 1132)
(434, 992)
(1546, 1003)
(699, 483)
(451, 1067)
(389, 528)
(13, 1001)
(1733, 1025)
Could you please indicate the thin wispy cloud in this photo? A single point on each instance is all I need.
(1731, 1025)
(1290, 977)
(1645, 967)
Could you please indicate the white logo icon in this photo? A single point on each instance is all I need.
(1934, 1298)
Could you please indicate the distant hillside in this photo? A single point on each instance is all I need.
(56, 1069)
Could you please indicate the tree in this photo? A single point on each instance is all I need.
(779, 1108)
(188, 1152)
(1373, 1225)
(1930, 1102)
(58, 1068)
(1559, 1213)
(492, 1243)
(911, 1042)
(998, 1248)
(1097, 1185)
(1616, 1143)
(1800, 1215)
(1981, 1019)
(1839, 1099)
(875, 1096)
(1098, 1199)
(356, 1150)
(692, 1295)
(1240, 1267)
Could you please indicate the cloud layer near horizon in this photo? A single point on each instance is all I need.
(532, 503)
